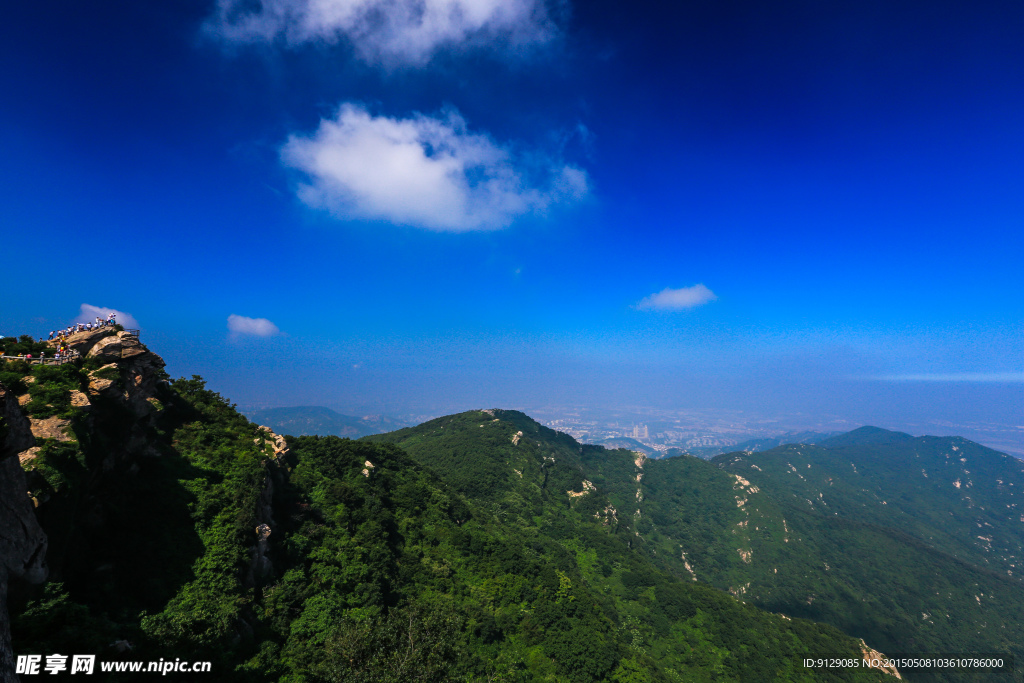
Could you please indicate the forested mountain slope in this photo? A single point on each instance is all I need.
(844, 535)
(177, 527)
(961, 497)
(533, 480)
(854, 536)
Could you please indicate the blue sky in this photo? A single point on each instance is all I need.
(443, 204)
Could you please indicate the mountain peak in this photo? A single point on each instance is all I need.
(864, 436)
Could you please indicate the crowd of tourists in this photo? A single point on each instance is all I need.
(62, 353)
(84, 327)
(62, 335)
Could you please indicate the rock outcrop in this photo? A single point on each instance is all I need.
(22, 541)
(103, 379)
(874, 659)
(51, 428)
(126, 386)
(82, 342)
(108, 348)
(143, 372)
(275, 441)
(260, 567)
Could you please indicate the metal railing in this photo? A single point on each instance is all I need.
(43, 360)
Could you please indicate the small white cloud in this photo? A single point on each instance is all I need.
(258, 327)
(89, 313)
(386, 32)
(677, 299)
(956, 377)
(424, 172)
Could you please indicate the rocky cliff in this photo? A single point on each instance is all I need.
(126, 501)
(22, 541)
(59, 427)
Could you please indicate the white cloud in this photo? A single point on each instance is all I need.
(424, 172)
(89, 313)
(957, 377)
(677, 299)
(387, 32)
(258, 327)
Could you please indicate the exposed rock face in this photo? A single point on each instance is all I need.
(15, 432)
(22, 541)
(260, 566)
(98, 384)
(108, 348)
(51, 428)
(875, 660)
(29, 455)
(140, 368)
(132, 380)
(83, 341)
(587, 488)
(276, 441)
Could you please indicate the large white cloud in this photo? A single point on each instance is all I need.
(424, 172)
(388, 32)
(257, 327)
(89, 313)
(677, 299)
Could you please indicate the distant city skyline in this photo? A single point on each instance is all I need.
(686, 429)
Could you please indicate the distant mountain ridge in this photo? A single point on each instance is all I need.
(756, 445)
(708, 452)
(321, 421)
(864, 436)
